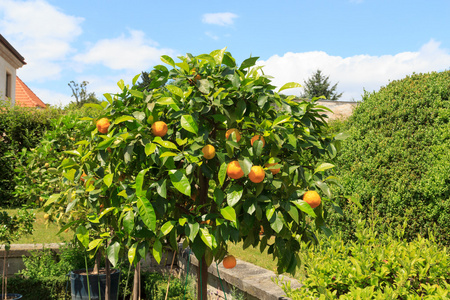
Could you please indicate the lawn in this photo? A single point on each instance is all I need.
(43, 233)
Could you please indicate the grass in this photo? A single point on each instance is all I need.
(43, 233)
(47, 233)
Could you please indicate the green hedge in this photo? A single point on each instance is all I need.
(20, 128)
(375, 266)
(397, 157)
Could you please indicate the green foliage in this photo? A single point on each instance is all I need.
(19, 128)
(318, 85)
(50, 288)
(155, 287)
(36, 176)
(13, 227)
(398, 155)
(136, 194)
(79, 92)
(375, 266)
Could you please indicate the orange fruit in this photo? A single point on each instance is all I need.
(46, 216)
(197, 77)
(103, 125)
(159, 128)
(82, 177)
(236, 132)
(256, 174)
(312, 198)
(234, 170)
(47, 165)
(274, 171)
(229, 262)
(258, 137)
(209, 152)
(261, 232)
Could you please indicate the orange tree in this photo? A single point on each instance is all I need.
(207, 154)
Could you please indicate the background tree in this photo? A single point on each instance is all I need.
(319, 85)
(79, 92)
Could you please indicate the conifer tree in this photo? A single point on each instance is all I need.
(319, 85)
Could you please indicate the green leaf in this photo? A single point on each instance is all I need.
(175, 90)
(168, 60)
(121, 84)
(82, 235)
(93, 105)
(249, 62)
(281, 119)
(123, 118)
(147, 213)
(246, 165)
(132, 253)
(218, 55)
(168, 154)
(305, 207)
(277, 223)
(140, 182)
(193, 230)
(323, 167)
(94, 244)
(52, 199)
(188, 123)
(207, 238)
(128, 222)
(222, 173)
(137, 94)
(108, 179)
(270, 211)
(135, 78)
(157, 251)
(105, 211)
(234, 195)
(290, 85)
(229, 213)
(150, 148)
(167, 227)
(218, 196)
(180, 182)
(113, 253)
(166, 101)
(165, 144)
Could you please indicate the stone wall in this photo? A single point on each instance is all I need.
(341, 109)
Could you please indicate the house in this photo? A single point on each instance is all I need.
(11, 87)
(10, 61)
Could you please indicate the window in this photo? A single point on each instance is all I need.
(8, 85)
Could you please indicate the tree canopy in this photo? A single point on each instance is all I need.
(319, 85)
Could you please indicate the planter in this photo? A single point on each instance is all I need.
(11, 296)
(79, 286)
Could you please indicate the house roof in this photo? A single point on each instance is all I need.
(12, 50)
(25, 97)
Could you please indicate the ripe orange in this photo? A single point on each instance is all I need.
(256, 174)
(159, 128)
(46, 216)
(229, 262)
(312, 198)
(234, 170)
(274, 171)
(258, 137)
(197, 77)
(82, 177)
(209, 151)
(103, 125)
(236, 132)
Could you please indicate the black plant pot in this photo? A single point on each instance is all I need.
(11, 296)
(78, 281)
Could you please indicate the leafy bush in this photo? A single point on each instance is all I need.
(20, 128)
(36, 168)
(375, 266)
(398, 155)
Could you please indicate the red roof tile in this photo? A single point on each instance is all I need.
(25, 97)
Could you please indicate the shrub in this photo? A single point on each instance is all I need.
(20, 128)
(375, 266)
(398, 154)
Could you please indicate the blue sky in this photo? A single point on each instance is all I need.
(360, 44)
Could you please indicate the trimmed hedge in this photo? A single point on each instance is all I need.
(397, 157)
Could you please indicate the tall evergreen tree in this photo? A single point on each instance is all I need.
(318, 85)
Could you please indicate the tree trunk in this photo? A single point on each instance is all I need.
(5, 275)
(137, 282)
(202, 280)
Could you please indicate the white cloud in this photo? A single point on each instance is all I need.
(133, 53)
(52, 97)
(221, 19)
(41, 33)
(211, 35)
(355, 73)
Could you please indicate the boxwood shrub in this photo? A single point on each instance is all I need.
(397, 157)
